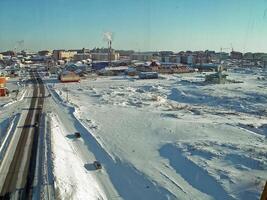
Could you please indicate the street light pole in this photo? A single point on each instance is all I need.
(67, 95)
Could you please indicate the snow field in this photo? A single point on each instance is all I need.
(194, 140)
(72, 180)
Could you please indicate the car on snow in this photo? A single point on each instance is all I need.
(77, 134)
(36, 124)
(97, 165)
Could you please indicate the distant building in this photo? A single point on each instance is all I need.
(248, 56)
(105, 56)
(145, 56)
(63, 55)
(9, 53)
(190, 59)
(236, 55)
(1, 57)
(187, 58)
(165, 56)
(264, 61)
(223, 55)
(176, 58)
(44, 53)
(83, 50)
(259, 56)
(82, 56)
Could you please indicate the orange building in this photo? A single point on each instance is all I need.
(2, 81)
(3, 90)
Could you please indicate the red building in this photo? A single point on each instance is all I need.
(3, 92)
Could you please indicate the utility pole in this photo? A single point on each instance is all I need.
(67, 95)
(109, 52)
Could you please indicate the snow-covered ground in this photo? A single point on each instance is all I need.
(171, 138)
(72, 180)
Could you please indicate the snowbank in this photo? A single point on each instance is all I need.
(72, 180)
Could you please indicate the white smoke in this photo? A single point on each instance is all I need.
(108, 36)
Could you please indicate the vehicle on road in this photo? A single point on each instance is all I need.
(97, 165)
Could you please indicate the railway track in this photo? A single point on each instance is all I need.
(18, 179)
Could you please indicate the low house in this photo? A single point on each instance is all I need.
(152, 66)
(68, 76)
(113, 71)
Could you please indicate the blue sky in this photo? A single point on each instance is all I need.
(137, 24)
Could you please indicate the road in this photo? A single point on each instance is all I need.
(18, 165)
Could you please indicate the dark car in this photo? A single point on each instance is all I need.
(77, 134)
(97, 165)
(36, 124)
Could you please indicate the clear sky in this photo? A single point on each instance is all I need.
(137, 24)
